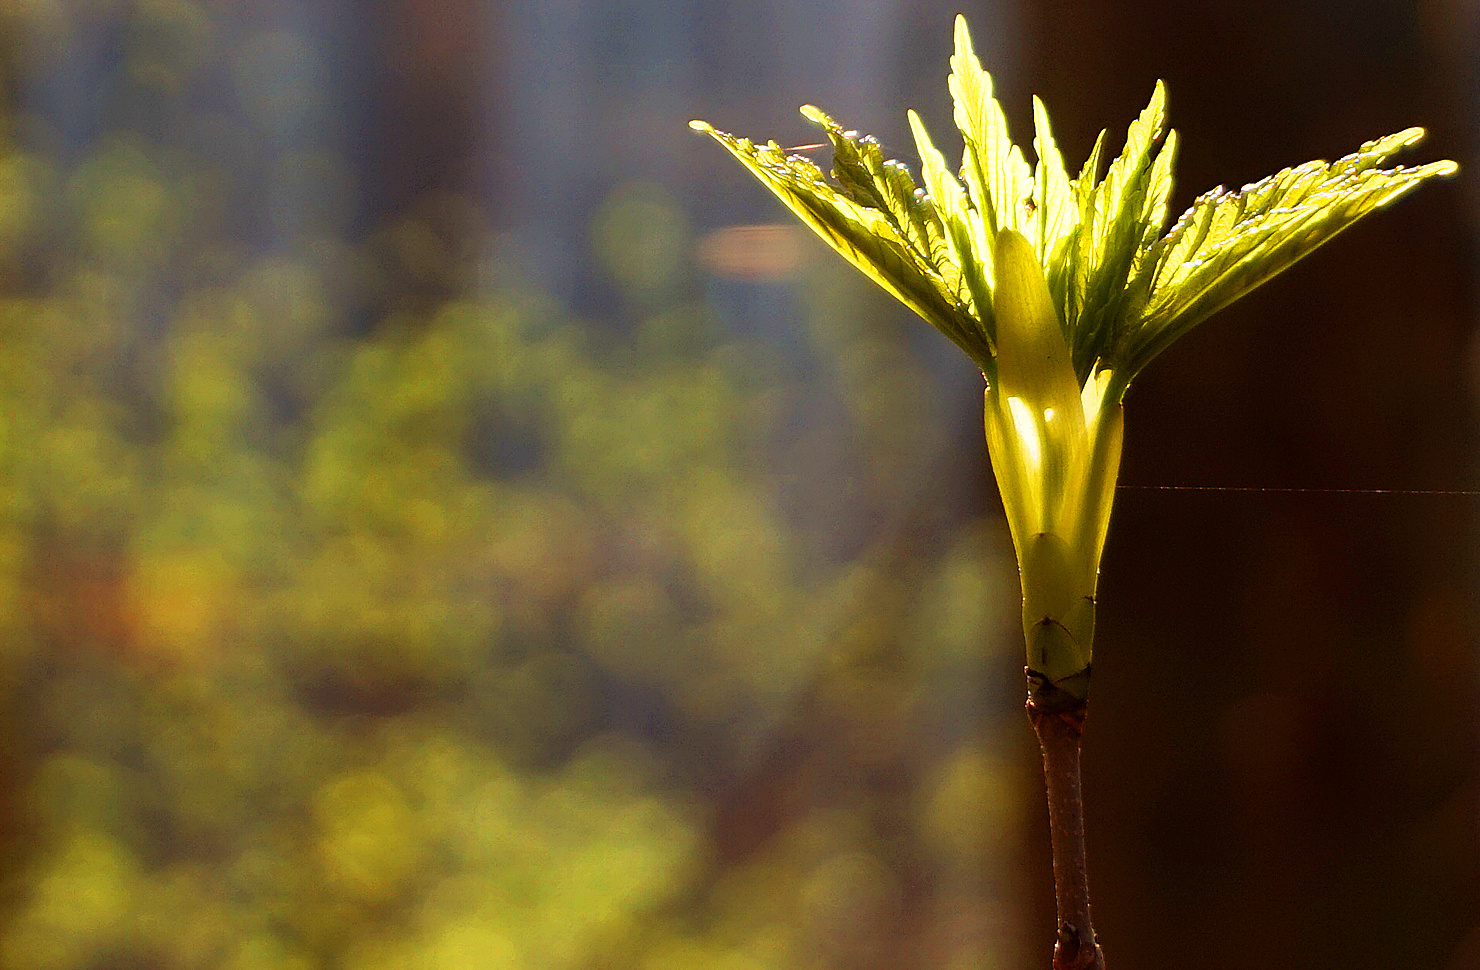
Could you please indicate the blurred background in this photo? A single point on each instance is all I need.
(450, 518)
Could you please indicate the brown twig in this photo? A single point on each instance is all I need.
(1058, 719)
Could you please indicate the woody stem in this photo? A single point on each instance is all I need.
(1058, 720)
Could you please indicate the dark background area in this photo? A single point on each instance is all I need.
(1282, 763)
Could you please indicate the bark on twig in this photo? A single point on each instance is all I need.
(1058, 719)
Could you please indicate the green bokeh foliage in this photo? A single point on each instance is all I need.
(473, 637)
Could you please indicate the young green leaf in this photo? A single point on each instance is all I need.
(863, 235)
(997, 178)
(1230, 242)
(1113, 221)
(1054, 218)
(965, 233)
(871, 180)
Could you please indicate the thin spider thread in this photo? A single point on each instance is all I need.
(1316, 491)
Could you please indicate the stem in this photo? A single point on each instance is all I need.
(1058, 719)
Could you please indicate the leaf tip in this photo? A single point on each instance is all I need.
(1408, 137)
(1169, 145)
(703, 126)
(963, 36)
(1011, 245)
(1158, 106)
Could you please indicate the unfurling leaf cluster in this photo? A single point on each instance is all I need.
(1123, 291)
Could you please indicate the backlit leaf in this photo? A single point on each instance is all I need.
(1227, 243)
(863, 235)
(997, 177)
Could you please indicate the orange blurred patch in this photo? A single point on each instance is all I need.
(179, 602)
(751, 252)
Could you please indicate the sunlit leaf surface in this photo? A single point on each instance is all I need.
(1123, 290)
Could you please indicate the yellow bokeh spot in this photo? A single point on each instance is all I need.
(469, 945)
(180, 601)
(368, 843)
(640, 236)
(266, 953)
